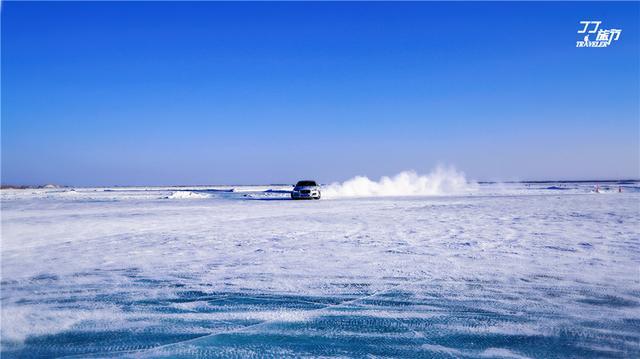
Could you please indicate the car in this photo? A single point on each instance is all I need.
(306, 190)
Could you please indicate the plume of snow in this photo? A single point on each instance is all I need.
(441, 181)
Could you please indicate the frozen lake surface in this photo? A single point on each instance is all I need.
(503, 271)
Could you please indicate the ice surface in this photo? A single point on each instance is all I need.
(498, 270)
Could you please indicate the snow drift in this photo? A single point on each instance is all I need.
(441, 181)
(187, 195)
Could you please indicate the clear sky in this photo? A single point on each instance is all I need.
(158, 93)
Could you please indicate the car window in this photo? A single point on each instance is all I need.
(306, 183)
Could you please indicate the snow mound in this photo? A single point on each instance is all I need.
(441, 181)
(187, 195)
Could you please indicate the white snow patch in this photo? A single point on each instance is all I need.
(187, 195)
(442, 349)
(501, 353)
(20, 322)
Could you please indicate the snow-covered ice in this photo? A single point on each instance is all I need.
(485, 270)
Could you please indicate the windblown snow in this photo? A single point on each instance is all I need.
(442, 181)
(408, 266)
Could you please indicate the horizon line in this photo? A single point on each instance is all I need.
(42, 186)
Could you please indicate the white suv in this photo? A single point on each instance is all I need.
(306, 190)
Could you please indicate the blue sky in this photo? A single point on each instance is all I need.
(158, 93)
